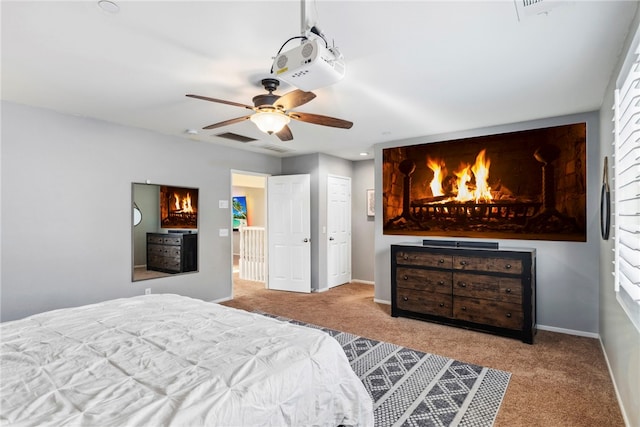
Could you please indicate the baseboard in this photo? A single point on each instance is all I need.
(381, 301)
(218, 301)
(366, 282)
(568, 331)
(615, 386)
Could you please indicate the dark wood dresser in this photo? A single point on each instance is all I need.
(172, 252)
(491, 290)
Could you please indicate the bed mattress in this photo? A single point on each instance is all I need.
(161, 360)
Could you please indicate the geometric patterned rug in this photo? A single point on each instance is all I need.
(411, 388)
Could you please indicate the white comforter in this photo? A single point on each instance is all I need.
(161, 360)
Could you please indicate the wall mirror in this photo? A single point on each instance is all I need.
(164, 230)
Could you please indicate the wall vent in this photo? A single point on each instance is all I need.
(235, 137)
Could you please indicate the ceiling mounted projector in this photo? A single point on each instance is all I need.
(310, 66)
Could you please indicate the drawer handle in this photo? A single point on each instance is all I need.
(463, 262)
(441, 304)
(464, 308)
(406, 257)
(508, 266)
(462, 284)
(405, 277)
(441, 283)
(441, 261)
(405, 298)
(509, 315)
(508, 290)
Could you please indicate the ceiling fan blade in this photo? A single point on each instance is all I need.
(294, 99)
(227, 122)
(320, 120)
(285, 134)
(220, 101)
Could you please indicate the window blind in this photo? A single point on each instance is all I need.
(626, 175)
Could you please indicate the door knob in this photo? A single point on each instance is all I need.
(305, 240)
(331, 238)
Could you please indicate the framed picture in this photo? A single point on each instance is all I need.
(371, 203)
(240, 213)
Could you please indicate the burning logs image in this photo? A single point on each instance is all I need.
(500, 186)
(178, 207)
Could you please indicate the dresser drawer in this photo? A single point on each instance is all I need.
(155, 250)
(505, 289)
(172, 240)
(172, 251)
(424, 259)
(155, 261)
(424, 302)
(489, 264)
(171, 264)
(156, 239)
(424, 280)
(488, 312)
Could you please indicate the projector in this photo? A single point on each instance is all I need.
(309, 66)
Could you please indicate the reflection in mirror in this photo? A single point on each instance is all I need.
(165, 238)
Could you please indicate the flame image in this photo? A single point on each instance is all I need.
(463, 188)
(481, 172)
(437, 167)
(464, 176)
(182, 204)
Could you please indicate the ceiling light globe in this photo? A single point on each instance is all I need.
(270, 121)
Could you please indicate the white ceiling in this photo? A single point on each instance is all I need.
(413, 68)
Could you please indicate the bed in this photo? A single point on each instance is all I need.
(160, 360)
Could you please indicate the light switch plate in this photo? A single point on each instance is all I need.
(223, 232)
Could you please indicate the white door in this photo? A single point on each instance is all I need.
(338, 230)
(289, 231)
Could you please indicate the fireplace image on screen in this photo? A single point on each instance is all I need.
(519, 185)
(178, 207)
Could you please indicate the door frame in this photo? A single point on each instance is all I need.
(265, 176)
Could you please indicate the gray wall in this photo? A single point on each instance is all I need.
(362, 232)
(620, 339)
(567, 272)
(66, 208)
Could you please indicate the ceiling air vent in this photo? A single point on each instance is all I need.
(235, 137)
(276, 148)
(527, 8)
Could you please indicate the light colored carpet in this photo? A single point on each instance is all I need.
(560, 381)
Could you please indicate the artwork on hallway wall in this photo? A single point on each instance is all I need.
(371, 203)
(178, 207)
(240, 213)
(526, 185)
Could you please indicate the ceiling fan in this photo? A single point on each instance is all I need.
(272, 113)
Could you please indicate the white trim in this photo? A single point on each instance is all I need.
(219, 300)
(366, 282)
(381, 301)
(568, 331)
(625, 417)
(320, 290)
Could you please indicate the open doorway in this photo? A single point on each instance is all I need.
(249, 222)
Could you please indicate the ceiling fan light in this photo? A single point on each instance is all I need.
(270, 121)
